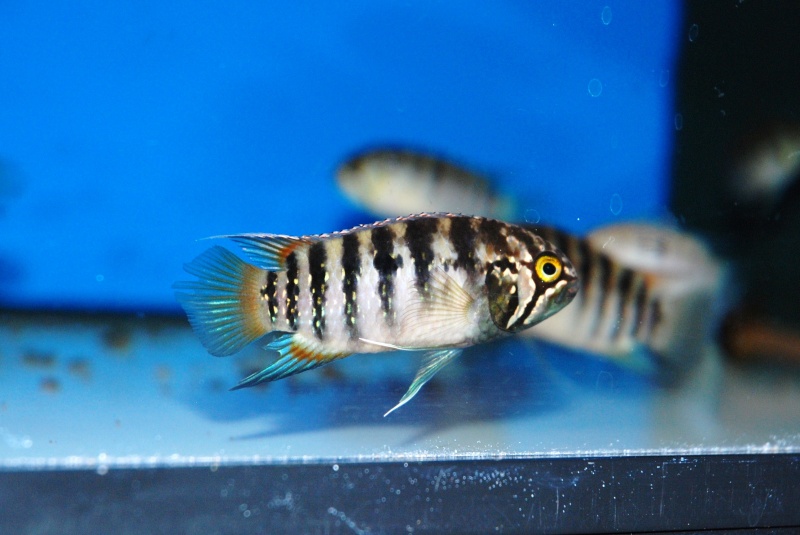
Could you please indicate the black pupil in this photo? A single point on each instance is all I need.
(549, 269)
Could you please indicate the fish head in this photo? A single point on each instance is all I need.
(528, 284)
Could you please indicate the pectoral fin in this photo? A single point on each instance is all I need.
(444, 310)
(432, 362)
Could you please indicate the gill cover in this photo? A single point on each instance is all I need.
(510, 293)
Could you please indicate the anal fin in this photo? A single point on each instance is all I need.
(432, 362)
(296, 354)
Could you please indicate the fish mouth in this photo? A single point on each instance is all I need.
(569, 292)
(572, 288)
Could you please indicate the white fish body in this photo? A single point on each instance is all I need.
(390, 182)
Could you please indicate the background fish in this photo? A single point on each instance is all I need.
(765, 165)
(435, 282)
(390, 182)
(650, 295)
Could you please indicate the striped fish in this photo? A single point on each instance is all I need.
(391, 182)
(434, 282)
(643, 287)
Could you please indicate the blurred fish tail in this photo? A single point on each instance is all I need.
(223, 303)
(683, 315)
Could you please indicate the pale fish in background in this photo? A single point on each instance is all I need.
(651, 296)
(766, 164)
(393, 182)
(433, 282)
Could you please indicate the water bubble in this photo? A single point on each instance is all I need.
(616, 204)
(678, 121)
(663, 78)
(694, 30)
(335, 467)
(532, 216)
(605, 16)
(595, 87)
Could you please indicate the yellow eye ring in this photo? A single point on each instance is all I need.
(548, 268)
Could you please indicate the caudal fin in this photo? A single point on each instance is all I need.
(222, 304)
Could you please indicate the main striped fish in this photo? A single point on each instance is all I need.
(434, 282)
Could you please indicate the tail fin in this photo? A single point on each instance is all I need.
(689, 315)
(223, 304)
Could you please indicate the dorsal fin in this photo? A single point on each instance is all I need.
(269, 251)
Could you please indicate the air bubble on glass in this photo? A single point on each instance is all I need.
(694, 30)
(532, 216)
(616, 204)
(663, 78)
(595, 87)
(605, 16)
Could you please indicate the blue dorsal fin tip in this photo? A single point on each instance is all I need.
(267, 251)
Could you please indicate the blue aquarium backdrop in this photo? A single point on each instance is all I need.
(128, 131)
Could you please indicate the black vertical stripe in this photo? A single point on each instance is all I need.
(654, 317)
(462, 236)
(603, 271)
(386, 265)
(527, 237)
(439, 169)
(585, 264)
(271, 293)
(491, 234)
(624, 289)
(549, 234)
(292, 291)
(316, 269)
(351, 266)
(639, 302)
(571, 246)
(419, 238)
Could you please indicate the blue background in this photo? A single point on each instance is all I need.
(129, 130)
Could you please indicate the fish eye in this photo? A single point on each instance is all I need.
(548, 268)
